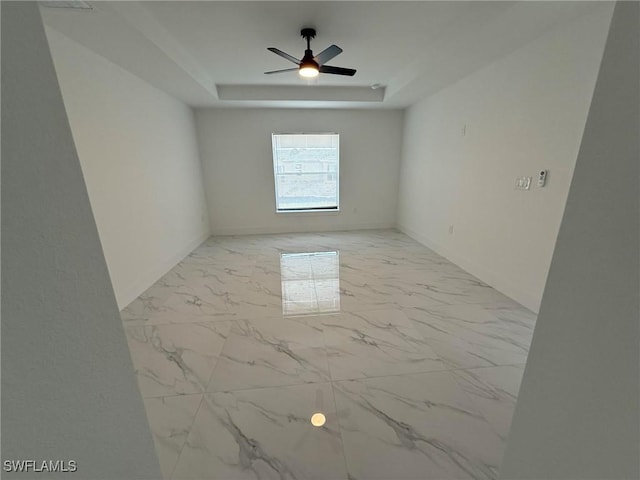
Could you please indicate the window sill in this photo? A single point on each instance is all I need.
(314, 210)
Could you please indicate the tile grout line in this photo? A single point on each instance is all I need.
(224, 344)
(175, 465)
(489, 424)
(335, 406)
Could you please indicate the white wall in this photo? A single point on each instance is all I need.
(524, 113)
(140, 160)
(578, 412)
(68, 387)
(236, 152)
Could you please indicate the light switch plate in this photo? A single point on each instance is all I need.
(523, 183)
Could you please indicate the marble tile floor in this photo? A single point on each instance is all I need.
(414, 363)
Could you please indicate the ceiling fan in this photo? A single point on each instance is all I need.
(310, 66)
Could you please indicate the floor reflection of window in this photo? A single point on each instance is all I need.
(310, 283)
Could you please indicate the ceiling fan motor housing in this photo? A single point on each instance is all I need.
(308, 33)
(308, 61)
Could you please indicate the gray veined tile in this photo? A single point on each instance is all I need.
(494, 391)
(142, 309)
(363, 293)
(416, 426)
(408, 296)
(176, 318)
(376, 343)
(170, 419)
(264, 434)
(223, 251)
(426, 293)
(175, 359)
(198, 302)
(409, 311)
(269, 266)
(277, 332)
(518, 318)
(270, 352)
(467, 336)
(440, 285)
(514, 325)
(265, 279)
(215, 302)
(152, 301)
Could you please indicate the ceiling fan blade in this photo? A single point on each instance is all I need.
(280, 71)
(327, 54)
(291, 58)
(337, 70)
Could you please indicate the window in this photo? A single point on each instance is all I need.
(306, 171)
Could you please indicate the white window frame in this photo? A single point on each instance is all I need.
(276, 173)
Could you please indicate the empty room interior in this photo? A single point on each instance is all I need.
(320, 240)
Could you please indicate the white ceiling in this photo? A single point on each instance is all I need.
(213, 53)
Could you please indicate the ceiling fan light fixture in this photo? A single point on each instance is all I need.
(308, 71)
(309, 68)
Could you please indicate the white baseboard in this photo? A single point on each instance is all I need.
(271, 229)
(506, 286)
(132, 292)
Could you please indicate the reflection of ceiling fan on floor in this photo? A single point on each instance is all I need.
(310, 66)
